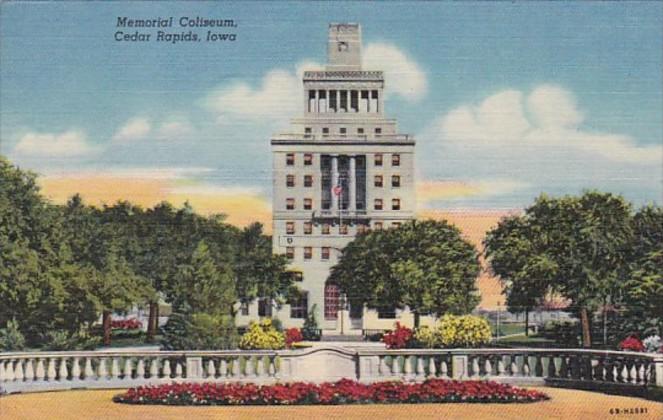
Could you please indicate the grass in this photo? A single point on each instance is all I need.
(82, 405)
(508, 329)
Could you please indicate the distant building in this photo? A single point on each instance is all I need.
(342, 169)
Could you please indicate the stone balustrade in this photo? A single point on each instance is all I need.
(41, 371)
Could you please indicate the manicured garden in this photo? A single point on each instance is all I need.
(342, 392)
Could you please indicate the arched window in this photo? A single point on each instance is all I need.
(332, 295)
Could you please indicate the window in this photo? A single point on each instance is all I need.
(264, 307)
(290, 228)
(308, 204)
(386, 313)
(308, 252)
(360, 131)
(378, 159)
(377, 204)
(325, 228)
(290, 253)
(290, 159)
(308, 228)
(299, 306)
(377, 181)
(396, 204)
(244, 308)
(290, 181)
(362, 229)
(324, 253)
(343, 131)
(332, 295)
(395, 160)
(290, 203)
(325, 131)
(395, 181)
(378, 131)
(377, 225)
(307, 131)
(396, 225)
(343, 229)
(308, 180)
(308, 159)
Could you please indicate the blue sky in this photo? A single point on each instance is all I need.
(508, 99)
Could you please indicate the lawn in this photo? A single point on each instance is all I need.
(565, 404)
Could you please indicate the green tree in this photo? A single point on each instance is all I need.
(204, 305)
(577, 247)
(117, 288)
(260, 273)
(39, 280)
(426, 266)
(514, 258)
(643, 297)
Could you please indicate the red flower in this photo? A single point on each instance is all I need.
(292, 335)
(631, 343)
(398, 338)
(344, 391)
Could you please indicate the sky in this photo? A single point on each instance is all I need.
(506, 100)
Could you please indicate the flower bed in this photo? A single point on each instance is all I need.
(344, 391)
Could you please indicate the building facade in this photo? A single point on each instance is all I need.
(342, 169)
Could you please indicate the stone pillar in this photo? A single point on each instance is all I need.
(334, 169)
(316, 107)
(459, 367)
(194, 367)
(352, 185)
(338, 100)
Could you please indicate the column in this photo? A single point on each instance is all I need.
(352, 185)
(334, 182)
(317, 101)
(338, 100)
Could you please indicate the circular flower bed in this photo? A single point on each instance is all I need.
(344, 391)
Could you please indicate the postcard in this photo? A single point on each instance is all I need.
(331, 209)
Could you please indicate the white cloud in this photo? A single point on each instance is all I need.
(279, 95)
(501, 121)
(534, 141)
(175, 129)
(135, 129)
(403, 76)
(72, 143)
(273, 101)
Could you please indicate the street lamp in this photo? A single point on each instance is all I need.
(497, 327)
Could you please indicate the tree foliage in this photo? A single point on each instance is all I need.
(426, 266)
(574, 246)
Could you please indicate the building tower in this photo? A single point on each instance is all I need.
(342, 170)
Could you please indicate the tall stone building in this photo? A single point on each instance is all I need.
(342, 169)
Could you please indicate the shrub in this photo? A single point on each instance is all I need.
(262, 336)
(566, 333)
(62, 340)
(277, 324)
(292, 336)
(344, 391)
(462, 331)
(11, 338)
(631, 343)
(653, 344)
(310, 330)
(199, 331)
(425, 337)
(398, 338)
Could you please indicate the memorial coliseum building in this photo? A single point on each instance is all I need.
(342, 169)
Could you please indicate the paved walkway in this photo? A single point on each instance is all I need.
(565, 404)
